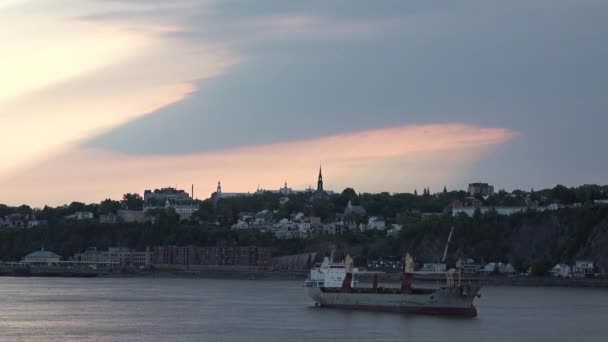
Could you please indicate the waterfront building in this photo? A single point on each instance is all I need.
(561, 271)
(175, 255)
(489, 268)
(583, 269)
(41, 258)
(387, 264)
(248, 257)
(114, 257)
(469, 267)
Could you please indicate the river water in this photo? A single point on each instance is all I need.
(177, 309)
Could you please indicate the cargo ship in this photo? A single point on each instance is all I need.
(333, 285)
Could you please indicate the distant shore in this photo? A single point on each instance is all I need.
(244, 274)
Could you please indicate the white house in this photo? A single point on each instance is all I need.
(80, 215)
(264, 217)
(469, 266)
(240, 225)
(41, 257)
(489, 268)
(561, 270)
(376, 223)
(394, 229)
(506, 269)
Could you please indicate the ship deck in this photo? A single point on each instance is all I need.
(379, 290)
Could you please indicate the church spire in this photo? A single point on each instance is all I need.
(320, 181)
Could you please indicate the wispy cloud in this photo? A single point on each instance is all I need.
(65, 78)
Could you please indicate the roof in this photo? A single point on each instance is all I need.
(42, 254)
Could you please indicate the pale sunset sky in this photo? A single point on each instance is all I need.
(103, 97)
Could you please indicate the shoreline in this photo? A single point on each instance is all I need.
(391, 279)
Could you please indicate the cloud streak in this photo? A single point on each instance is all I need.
(65, 79)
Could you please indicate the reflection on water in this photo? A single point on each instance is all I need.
(138, 309)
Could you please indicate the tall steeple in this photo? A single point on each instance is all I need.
(219, 188)
(320, 181)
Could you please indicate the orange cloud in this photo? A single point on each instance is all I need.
(391, 159)
(65, 78)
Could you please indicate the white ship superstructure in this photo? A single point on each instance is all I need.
(328, 274)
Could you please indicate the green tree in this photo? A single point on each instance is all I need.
(132, 201)
(323, 208)
(563, 195)
(108, 206)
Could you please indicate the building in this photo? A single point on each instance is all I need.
(481, 189)
(240, 225)
(356, 210)
(20, 221)
(469, 267)
(315, 221)
(394, 229)
(245, 257)
(389, 264)
(489, 269)
(220, 194)
(561, 271)
(469, 205)
(184, 210)
(114, 257)
(160, 196)
(506, 211)
(41, 258)
(375, 223)
(264, 217)
(80, 215)
(583, 269)
(110, 218)
(433, 267)
(169, 197)
(136, 216)
(252, 256)
(176, 255)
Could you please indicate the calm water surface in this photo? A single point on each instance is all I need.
(62, 309)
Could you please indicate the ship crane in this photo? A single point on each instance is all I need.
(445, 251)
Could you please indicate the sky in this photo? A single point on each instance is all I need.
(103, 97)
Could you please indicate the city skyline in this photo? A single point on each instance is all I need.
(103, 97)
